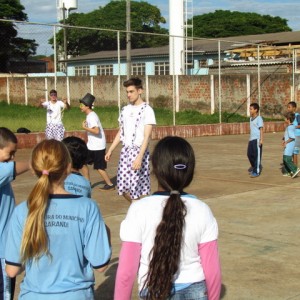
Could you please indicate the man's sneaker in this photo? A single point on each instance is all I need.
(253, 175)
(296, 173)
(287, 174)
(250, 170)
(107, 187)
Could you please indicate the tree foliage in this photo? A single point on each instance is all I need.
(144, 18)
(11, 46)
(224, 23)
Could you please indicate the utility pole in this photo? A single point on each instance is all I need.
(128, 39)
(65, 37)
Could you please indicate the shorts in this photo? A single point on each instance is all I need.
(97, 157)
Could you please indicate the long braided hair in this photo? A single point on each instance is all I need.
(173, 163)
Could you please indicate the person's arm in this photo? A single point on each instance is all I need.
(137, 164)
(114, 144)
(13, 271)
(41, 102)
(94, 130)
(66, 103)
(261, 140)
(209, 255)
(129, 260)
(21, 167)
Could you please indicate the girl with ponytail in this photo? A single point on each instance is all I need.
(57, 237)
(170, 237)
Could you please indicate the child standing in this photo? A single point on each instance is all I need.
(54, 128)
(255, 144)
(76, 183)
(57, 237)
(288, 143)
(96, 140)
(170, 237)
(292, 107)
(8, 171)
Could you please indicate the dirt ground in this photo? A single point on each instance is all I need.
(258, 218)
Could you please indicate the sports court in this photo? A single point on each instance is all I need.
(258, 217)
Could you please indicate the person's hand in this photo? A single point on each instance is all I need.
(107, 156)
(84, 124)
(137, 164)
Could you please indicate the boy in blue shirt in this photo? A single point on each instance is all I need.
(289, 143)
(292, 107)
(76, 183)
(254, 151)
(8, 171)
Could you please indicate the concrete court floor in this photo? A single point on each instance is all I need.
(258, 218)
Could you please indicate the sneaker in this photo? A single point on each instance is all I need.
(296, 173)
(253, 175)
(107, 187)
(250, 170)
(287, 174)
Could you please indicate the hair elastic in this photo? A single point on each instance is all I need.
(45, 172)
(174, 192)
(180, 167)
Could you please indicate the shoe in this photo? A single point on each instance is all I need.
(253, 175)
(107, 187)
(250, 170)
(287, 174)
(296, 173)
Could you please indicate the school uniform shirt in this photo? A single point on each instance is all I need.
(54, 111)
(78, 243)
(77, 184)
(296, 123)
(140, 226)
(95, 141)
(255, 125)
(7, 200)
(289, 133)
(134, 133)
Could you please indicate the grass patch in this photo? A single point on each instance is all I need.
(14, 116)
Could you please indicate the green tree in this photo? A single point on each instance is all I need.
(223, 23)
(144, 18)
(12, 46)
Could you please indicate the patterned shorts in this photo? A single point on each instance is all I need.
(133, 182)
(55, 131)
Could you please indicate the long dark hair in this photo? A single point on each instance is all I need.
(173, 163)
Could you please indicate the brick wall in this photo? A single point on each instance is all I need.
(194, 92)
(188, 131)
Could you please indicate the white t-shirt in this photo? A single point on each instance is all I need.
(140, 226)
(54, 111)
(95, 141)
(127, 121)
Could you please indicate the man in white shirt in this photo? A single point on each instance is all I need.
(136, 121)
(54, 128)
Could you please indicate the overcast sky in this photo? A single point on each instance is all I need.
(45, 11)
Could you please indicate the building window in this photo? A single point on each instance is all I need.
(162, 68)
(105, 70)
(82, 71)
(203, 63)
(138, 69)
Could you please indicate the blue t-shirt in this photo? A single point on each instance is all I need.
(296, 123)
(78, 243)
(7, 200)
(255, 125)
(289, 134)
(77, 184)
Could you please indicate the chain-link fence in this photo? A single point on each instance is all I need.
(211, 76)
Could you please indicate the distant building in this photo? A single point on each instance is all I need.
(236, 53)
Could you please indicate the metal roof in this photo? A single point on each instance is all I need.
(201, 45)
